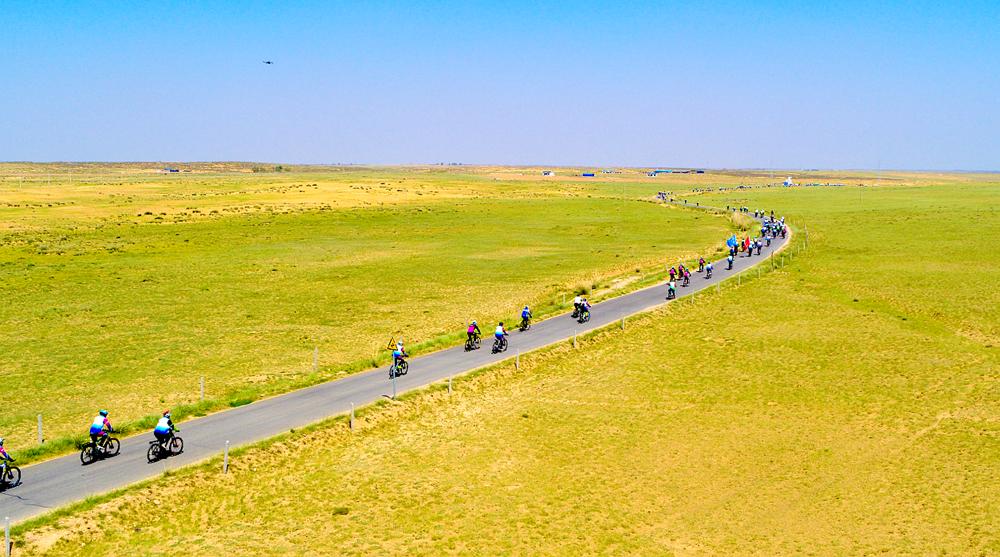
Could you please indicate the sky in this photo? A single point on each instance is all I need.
(907, 85)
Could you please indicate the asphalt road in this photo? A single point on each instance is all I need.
(54, 483)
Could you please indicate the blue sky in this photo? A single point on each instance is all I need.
(763, 84)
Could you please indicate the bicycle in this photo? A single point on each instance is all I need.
(106, 446)
(10, 476)
(584, 316)
(473, 343)
(500, 344)
(399, 368)
(158, 449)
(525, 324)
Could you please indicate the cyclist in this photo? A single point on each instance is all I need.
(100, 427)
(673, 273)
(473, 331)
(701, 264)
(577, 301)
(687, 277)
(4, 459)
(498, 335)
(730, 261)
(671, 290)
(525, 317)
(399, 353)
(165, 429)
(584, 308)
(708, 270)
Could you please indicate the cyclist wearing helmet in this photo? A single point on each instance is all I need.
(526, 313)
(399, 353)
(100, 427)
(473, 330)
(164, 429)
(4, 457)
(500, 332)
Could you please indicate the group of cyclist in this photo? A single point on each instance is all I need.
(101, 428)
(100, 431)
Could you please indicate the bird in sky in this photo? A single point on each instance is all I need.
(268, 62)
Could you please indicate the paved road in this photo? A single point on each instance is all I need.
(54, 483)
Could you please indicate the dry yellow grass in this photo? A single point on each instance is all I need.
(818, 410)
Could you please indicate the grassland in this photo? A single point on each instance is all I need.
(122, 287)
(848, 403)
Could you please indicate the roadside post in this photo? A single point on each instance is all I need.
(449, 384)
(393, 368)
(201, 388)
(6, 536)
(517, 361)
(225, 459)
(41, 438)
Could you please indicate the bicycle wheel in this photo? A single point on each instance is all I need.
(153, 453)
(503, 344)
(404, 366)
(13, 476)
(87, 455)
(113, 446)
(176, 446)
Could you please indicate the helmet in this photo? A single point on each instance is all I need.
(166, 413)
(473, 321)
(501, 323)
(103, 413)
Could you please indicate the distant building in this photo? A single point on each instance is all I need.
(548, 173)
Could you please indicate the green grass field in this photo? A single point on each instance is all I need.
(122, 289)
(847, 403)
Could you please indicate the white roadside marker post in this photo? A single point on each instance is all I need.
(449, 384)
(517, 361)
(201, 388)
(41, 438)
(6, 536)
(225, 459)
